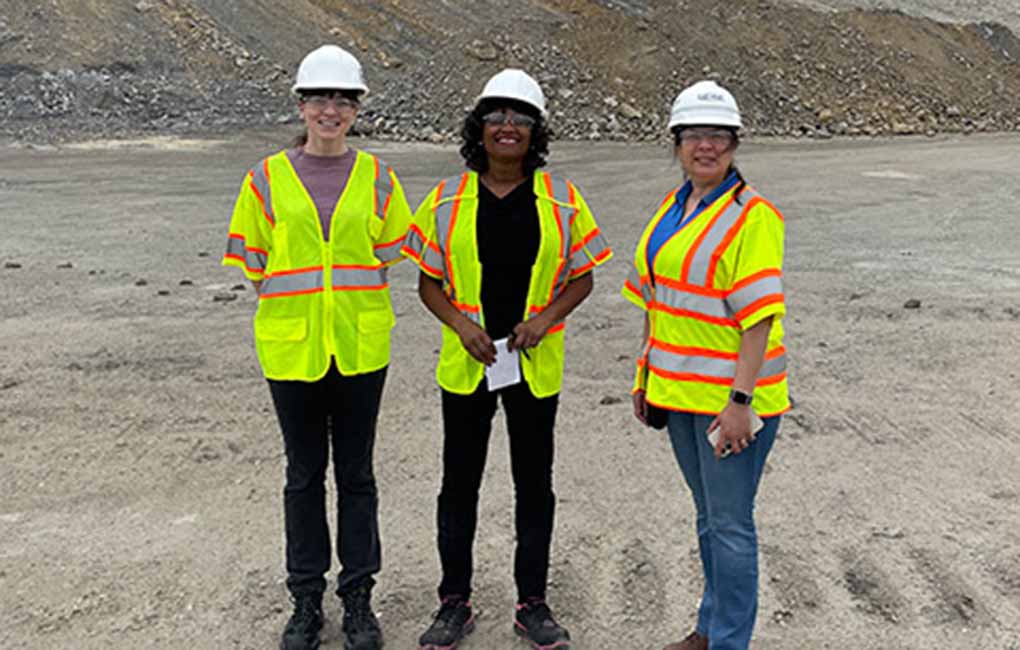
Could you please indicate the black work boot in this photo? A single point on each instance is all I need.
(534, 622)
(452, 622)
(360, 626)
(302, 631)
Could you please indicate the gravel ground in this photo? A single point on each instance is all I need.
(1006, 12)
(142, 465)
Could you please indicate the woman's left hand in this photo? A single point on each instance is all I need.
(734, 424)
(529, 333)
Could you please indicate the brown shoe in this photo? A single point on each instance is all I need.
(692, 641)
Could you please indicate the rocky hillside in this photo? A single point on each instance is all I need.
(100, 68)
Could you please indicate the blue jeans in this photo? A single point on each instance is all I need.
(723, 492)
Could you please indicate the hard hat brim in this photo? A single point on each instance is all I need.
(705, 120)
(297, 88)
(541, 111)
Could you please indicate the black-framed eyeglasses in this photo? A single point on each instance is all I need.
(498, 118)
(320, 101)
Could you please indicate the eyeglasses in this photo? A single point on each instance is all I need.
(498, 118)
(321, 101)
(718, 138)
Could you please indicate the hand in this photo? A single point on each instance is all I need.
(734, 424)
(640, 406)
(529, 333)
(477, 342)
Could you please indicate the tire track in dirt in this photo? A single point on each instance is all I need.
(873, 590)
(792, 580)
(955, 600)
(643, 594)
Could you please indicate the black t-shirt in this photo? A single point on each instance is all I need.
(508, 239)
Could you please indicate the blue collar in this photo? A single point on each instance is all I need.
(685, 191)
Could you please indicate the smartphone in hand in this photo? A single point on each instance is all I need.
(756, 425)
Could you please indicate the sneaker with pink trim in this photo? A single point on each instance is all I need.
(534, 622)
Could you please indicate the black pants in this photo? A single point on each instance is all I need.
(467, 423)
(339, 411)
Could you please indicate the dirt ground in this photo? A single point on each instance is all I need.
(142, 468)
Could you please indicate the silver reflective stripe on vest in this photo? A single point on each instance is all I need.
(560, 189)
(383, 189)
(253, 260)
(444, 211)
(708, 366)
(698, 273)
(597, 246)
(261, 183)
(358, 277)
(579, 259)
(744, 297)
(703, 305)
(291, 282)
(414, 242)
(474, 317)
(389, 252)
(634, 277)
(561, 195)
(589, 252)
(432, 259)
(444, 214)
(773, 367)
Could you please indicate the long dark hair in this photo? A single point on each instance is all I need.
(301, 139)
(741, 183)
(473, 150)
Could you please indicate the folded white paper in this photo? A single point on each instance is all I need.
(507, 369)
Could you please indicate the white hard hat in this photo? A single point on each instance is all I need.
(705, 102)
(329, 67)
(512, 83)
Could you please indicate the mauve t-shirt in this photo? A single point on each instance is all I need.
(325, 178)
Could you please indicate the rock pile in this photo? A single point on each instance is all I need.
(610, 70)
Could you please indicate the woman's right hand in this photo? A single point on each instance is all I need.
(477, 342)
(640, 406)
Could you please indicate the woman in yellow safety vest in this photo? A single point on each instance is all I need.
(708, 273)
(506, 252)
(315, 228)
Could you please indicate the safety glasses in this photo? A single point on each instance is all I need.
(320, 101)
(718, 138)
(498, 118)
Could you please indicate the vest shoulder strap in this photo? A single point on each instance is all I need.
(450, 187)
(558, 189)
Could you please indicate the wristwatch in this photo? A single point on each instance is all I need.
(740, 397)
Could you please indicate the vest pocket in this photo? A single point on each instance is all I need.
(281, 329)
(374, 338)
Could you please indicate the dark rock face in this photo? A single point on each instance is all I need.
(609, 69)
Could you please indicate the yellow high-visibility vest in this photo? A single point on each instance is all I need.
(442, 241)
(714, 278)
(319, 301)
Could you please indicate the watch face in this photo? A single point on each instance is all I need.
(740, 397)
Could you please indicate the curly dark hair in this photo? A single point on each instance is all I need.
(741, 184)
(473, 151)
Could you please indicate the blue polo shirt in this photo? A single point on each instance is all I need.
(673, 220)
